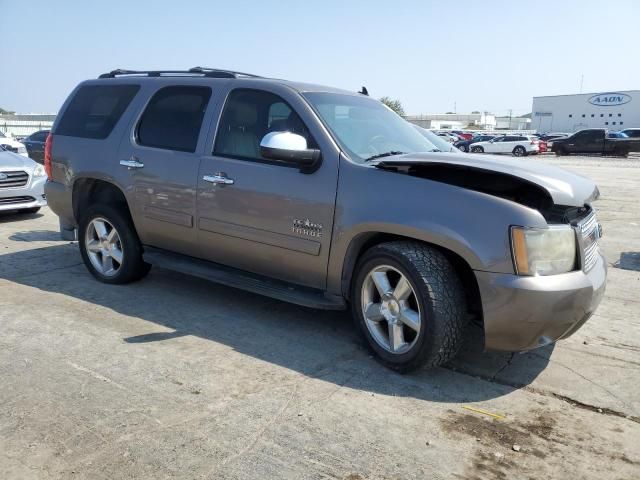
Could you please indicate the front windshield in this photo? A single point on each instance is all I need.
(365, 128)
(439, 142)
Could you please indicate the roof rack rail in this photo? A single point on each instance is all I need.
(218, 70)
(195, 71)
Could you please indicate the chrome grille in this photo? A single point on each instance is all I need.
(590, 231)
(13, 179)
(16, 200)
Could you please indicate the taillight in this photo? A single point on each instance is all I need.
(47, 155)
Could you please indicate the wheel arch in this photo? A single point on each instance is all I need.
(365, 241)
(89, 190)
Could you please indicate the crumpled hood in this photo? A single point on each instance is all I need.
(564, 187)
(10, 160)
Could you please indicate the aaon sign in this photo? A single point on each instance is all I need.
(609, 99)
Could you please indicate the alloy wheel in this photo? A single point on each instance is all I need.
(390, 309)
(104, 247)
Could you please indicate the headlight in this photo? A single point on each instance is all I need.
(39, 171)
(543, 251)
(22, 149)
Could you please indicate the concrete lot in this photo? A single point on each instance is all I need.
(174, 377)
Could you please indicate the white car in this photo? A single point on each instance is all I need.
(518, 145)
(21, 183)
(12, 145)
(447, 136)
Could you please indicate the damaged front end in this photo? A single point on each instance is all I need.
(558, 274)
(560, 196)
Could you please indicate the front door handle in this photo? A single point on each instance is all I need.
(219, 178)
(132, 163)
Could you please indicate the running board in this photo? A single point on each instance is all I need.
(231, 277)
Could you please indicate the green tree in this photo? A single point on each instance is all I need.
(5, 112)
(394, 105)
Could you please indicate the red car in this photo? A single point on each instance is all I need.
(543, 146)
(464, 135)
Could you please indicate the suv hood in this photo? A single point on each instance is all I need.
(10, 160)
(475, 172)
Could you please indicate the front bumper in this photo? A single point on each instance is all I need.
(30, 196)
(523, 313)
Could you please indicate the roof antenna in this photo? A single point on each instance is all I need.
(364, 91)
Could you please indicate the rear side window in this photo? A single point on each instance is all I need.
(39, 136)
(95, 110)
(173, 118)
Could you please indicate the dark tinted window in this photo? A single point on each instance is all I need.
(39, 136)
(173, 118)
(95, 110)
(248, 116)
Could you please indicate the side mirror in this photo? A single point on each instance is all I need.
(290, 148)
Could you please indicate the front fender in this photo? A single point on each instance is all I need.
(472, 224)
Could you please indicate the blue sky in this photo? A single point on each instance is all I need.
(480, 55)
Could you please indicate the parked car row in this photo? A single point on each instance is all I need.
(590, 141)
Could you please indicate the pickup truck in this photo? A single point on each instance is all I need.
(595, 141)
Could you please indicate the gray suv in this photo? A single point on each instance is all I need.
(324, 198)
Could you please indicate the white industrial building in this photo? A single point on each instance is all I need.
(25, 124)
(569, 113)
(454, 121)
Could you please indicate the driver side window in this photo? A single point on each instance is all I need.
(248, 116)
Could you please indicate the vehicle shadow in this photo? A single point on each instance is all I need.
(15, 216)
(628, 261)
(317, 344)
(35, 236)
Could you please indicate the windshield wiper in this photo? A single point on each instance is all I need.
(385, 154)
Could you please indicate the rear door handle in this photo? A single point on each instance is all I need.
(132, 163)
(219, 178)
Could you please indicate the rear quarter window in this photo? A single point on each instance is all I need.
(95, 110)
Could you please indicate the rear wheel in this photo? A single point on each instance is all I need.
(621, 152)
(463, 148)
(109, 245)
(477, 149)
(519, 151)
(409, 304)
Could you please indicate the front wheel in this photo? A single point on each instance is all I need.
(109, 245)
(561, 152)
(409, 304)
(463, 148)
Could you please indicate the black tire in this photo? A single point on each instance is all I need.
(30, 211)
(519, 151)
(463, 148)
(561, 152)
(621, 152)
(133, 267)
(477, 150)
(439, 293)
